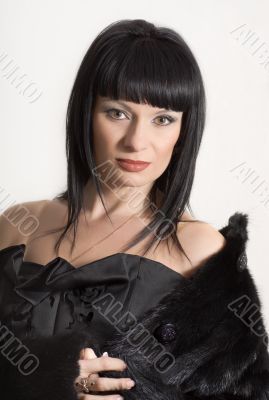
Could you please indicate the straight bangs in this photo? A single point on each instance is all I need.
(147, 71)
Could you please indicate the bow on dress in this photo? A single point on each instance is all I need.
(60, 281)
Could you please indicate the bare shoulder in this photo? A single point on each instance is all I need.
(19, 221)
(200, 241)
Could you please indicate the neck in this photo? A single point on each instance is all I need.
(124, 202)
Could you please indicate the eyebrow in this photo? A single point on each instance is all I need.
(129, 109)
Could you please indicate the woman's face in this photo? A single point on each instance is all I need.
(127, 130)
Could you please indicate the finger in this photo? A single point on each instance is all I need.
(85, 374)
(102, 364)
(86, 368)
(107, 384)
(87, 354)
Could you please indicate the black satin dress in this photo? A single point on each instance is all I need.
(45, 300)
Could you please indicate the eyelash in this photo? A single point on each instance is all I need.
(170, 119)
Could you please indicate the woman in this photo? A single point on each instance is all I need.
(169, 320)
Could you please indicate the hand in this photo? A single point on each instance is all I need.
(91, 364)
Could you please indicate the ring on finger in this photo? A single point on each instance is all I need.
(84, 384)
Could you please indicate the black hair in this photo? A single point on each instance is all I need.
(137, 61)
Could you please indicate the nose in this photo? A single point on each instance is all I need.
(135, 138)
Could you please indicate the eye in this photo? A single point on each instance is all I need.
(167, 117)
(114, 110)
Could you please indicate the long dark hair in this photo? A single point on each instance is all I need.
(137, 61)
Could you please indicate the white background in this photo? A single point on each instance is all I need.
(47, 40)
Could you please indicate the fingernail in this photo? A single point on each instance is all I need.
(130, 384)
(105, 354)
(118, 398)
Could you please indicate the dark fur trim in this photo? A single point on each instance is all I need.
(218, 341)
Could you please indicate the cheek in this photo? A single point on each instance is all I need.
(164, 148)
(162, 157)
(103, 139)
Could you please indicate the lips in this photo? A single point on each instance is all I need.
(132, 165)
(128, 161)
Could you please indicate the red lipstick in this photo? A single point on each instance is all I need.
(132, 165)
